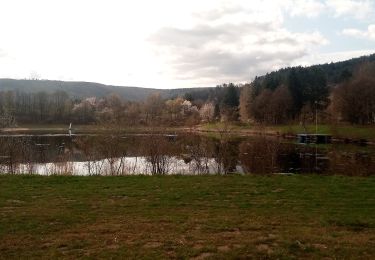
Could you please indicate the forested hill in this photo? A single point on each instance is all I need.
(88, 89)
(323, 74)
(338, 71)
(342, 90)
(334, 72)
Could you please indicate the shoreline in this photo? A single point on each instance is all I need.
(233, 130)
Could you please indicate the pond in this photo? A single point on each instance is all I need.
(177, 154)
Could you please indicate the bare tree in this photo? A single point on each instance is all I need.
(355, 99)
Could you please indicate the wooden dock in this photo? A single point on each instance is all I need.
(314, 138)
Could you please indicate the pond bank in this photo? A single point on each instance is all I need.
(339, 133)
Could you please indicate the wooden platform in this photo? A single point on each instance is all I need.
(314, 138)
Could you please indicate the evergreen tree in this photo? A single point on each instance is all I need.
(231, 97)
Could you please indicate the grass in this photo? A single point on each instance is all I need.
(151, 217)
(297, 129)
(58, 128)
(337, 131)
(340, 131)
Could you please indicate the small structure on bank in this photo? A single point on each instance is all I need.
(314, 138)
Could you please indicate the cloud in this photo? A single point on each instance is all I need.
(361, 9)
(320, 58)
(369, 34)
(175, 43)
(216, 49)
(358, 9)
(2, 53)
(308, 8)
(305, 8)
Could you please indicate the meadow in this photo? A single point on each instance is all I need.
(154, 217)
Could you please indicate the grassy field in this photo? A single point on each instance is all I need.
(198, 217)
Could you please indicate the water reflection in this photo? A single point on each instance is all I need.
(183, 154)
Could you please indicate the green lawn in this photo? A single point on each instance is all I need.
(340, 131)
(154, 217)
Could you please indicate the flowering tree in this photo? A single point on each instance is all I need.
(207, 112)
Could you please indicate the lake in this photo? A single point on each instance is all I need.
(128, 154)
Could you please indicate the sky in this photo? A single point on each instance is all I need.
(176, 44)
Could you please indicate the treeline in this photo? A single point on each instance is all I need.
(337, 72)
(354, 99)
(18, 107)
(40, 107)
(337, 92)
(285, 95)
(297, 94)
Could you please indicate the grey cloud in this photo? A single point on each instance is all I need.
(228, 51)
(212, 64)
(284, 40)
(201, 34)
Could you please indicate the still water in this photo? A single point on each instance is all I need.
(177, 154)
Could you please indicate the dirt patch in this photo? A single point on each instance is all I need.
(223, 248)
(202, 256)
(198, 247)
(278, 190)
(263, 248)
(15, 201)
(153, 245)
(320, 246)
(113, 246)
(229, 234)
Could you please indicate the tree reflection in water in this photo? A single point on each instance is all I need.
(185, 154)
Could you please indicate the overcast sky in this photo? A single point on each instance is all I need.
(176, 43)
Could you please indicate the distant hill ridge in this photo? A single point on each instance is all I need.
(80, 89)
(334, 71)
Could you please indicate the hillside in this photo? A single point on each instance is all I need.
(341, 91)
(87, 89)
(334, 72)
(330, 74)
